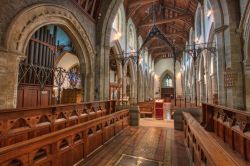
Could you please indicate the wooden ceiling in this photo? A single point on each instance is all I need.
(173, 17)
(89, 7)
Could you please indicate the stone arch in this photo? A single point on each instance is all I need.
(212, 82)
(199, 21)
(116, 47)
(107, 12)
(162, 93)
(130, 65)
(34, 17)
(164, 73)
(131, 26)
(65, 57)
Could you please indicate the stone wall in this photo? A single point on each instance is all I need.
(161, 67)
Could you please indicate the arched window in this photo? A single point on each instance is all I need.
(198, 24)
(167, 81)
(131, 36)
(117, 24)
(208, 10)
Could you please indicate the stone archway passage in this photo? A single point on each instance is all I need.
(26, 23)
(167, 86)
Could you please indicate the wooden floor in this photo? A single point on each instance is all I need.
(153, 143)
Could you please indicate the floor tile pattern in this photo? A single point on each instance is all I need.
(153, 144)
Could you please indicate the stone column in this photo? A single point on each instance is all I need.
(134, 113)
(89, 87)
(9, 67)
(234, 61)
(102, 74)
(221, 66)
(247, 80)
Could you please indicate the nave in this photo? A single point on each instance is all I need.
(154, 142)
(124, 82)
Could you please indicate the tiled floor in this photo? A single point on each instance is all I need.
(153, 143)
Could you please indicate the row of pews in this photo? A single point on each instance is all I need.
(58, 135)
(223, 137)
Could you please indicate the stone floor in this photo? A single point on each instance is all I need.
(153, 143)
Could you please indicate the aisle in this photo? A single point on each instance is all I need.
(154, 143)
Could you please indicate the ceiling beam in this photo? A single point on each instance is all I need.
(141, 2)
(178, 10)
(158, 47)
(165, 21)
(176, 34)
(177, 28)
(162, 53)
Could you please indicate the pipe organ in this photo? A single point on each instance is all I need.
(36, 71)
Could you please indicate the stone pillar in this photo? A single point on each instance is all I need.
(202, 90)
(221, 66)
(214, 82)
(102, 74)
(89, 88)
(247, 81)
(235, 94)
(134, 112)
(9, 67)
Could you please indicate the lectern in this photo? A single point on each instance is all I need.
(159, 109)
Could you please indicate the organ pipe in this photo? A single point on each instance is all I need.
(44, 47)
(39, 53)
(36, 49)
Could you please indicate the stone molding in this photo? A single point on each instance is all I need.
(36, 16)
(24, 25)
(220, 29)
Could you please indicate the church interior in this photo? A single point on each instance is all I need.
(124, 83)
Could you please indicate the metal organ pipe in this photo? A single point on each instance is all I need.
(47, 50)
(36, 55)
(43, 46)
(31, 51)
(40, 49)
(30, 57)
(50, 52)
(36, 50)
(40, 52)
(54, 43)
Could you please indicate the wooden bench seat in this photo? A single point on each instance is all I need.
(17, 125)
(235, 155)
(232, 126)
(205, 149)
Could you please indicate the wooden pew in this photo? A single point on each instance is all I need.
(69, 146)
(230, 125)
(147, 109)
(204, 149)
(17, 125)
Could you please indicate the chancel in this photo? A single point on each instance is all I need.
(124, 82)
